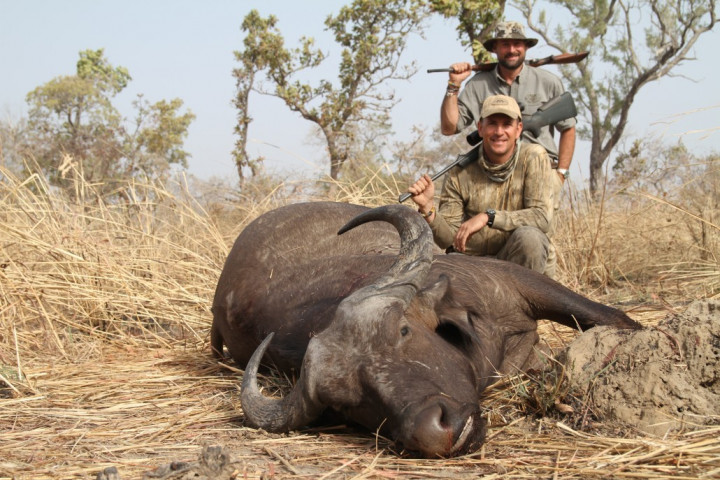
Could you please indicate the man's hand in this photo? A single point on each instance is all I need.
(475, 224)
(423, 193)
(449, 114)
(460, 71)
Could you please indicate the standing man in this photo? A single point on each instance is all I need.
(498, 205)
(529, 86)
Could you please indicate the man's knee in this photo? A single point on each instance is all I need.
(551, 264)
(527, 246)
(528, 235)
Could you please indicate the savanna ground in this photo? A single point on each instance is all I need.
(104, 330)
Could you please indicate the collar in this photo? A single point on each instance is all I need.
(500, 173)
(501, 80)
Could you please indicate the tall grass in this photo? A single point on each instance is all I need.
(635, 247)
(145, 264)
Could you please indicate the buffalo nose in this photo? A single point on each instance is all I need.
(440, 431)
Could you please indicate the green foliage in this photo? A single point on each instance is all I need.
(262, 44)
(94, 66)
(372, 35)
(159, 137)
(73, 123)
(630, 44)
(476, 20)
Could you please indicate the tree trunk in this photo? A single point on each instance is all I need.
(597, 175)
(337, 154)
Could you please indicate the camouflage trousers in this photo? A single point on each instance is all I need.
(527, 246)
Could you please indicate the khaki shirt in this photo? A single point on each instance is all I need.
(525, 198)
(532, 87)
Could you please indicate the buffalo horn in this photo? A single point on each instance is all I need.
(416, 248)
(274, 415)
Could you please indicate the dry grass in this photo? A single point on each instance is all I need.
(104, 359)
(634, 249)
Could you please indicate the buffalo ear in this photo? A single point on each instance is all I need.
(456, 326)
(433, 294)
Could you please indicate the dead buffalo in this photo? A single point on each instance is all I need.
(380, 327)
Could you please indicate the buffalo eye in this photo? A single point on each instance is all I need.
(404, 330)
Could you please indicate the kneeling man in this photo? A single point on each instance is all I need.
(502, 203)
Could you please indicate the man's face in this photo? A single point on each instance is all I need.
(510, 53)
(499, 133)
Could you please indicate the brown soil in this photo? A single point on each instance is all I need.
(659, 379)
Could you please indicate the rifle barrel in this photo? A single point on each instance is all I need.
(462, 160)
(559, 59)
(439, 174)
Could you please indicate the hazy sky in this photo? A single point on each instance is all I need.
(183, 48)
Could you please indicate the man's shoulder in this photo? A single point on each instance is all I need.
(482, 77)
(484, 74)
(532, 150)
(541, 74)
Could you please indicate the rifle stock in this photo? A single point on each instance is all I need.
(559, 59)
(550, 112)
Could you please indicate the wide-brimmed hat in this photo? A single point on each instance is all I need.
(500, 104)
(510, 31)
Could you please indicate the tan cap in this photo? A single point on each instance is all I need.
(500, 104)
(510, 31)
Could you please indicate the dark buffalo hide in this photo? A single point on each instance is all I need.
(378, 324)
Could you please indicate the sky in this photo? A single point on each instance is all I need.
(184, 49)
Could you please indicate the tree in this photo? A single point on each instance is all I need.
(259, 44)
(476, 20)
(631, 43)
(372, 36)
(158, 138)
(73, 117)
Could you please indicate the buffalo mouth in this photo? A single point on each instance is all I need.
(465, 437)
(437, 430)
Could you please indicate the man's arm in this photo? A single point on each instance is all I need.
(423, 194)
(449, 113)
(566, 148)
(445, 223)
(468, 228)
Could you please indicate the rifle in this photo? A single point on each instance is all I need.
(559, 59)
(550, 112)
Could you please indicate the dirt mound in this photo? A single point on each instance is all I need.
(658, 379)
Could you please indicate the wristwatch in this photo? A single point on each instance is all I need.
(564, 172)
(491, 216)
